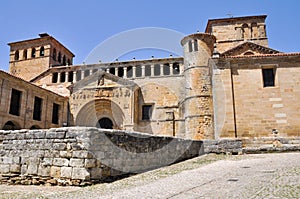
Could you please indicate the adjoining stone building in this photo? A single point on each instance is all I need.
(27, 106)
(228, 83)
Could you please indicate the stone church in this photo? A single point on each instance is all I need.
(228, 83)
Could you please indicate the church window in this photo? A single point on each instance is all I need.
(59, 57)
(147, 70)
(64, 60)
(25, 54)
(17, 55)
(42, 51)
(138, 71)
(54, 77)
(195, 45)
(70, 76)
(62, 77)
(268, 77)
(190, 46)
(176, 69)
(157, 69)
(121, 72)
(33, 53)
(166, 69)
(55, 113)
(146, 112)
(15, 102)
(54, 54)
(37, 108)
(129, 71)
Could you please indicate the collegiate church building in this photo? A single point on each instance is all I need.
(228, 83)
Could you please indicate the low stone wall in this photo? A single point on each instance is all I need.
(271, 144)
(81, 155)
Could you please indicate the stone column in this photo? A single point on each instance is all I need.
(171, 68)
(58, 77)
(116, 71)
(133, 71)
(152, 70)
(143, 71)
(125, 72)
(82, 74)
(91, 71)
(74, 76)
(161, 69)
(66, 76)
(107, 70)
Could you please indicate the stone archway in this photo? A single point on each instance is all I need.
(10, 125)
(105, 123)
(93, 111)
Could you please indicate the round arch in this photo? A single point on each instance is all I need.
(93, 111)
(11, 125)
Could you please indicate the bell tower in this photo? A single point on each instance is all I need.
(29, 58)
(198, 108)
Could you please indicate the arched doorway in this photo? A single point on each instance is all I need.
(91, 113)
(105, 123)
(11, 126)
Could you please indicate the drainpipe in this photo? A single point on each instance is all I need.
(233, 102)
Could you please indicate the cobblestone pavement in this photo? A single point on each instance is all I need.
(210, 176)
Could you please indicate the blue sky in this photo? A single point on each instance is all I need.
(82, 25)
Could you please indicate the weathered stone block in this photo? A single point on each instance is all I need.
(65, 154)
(32, 169)
(55, 172)
(15, 168)
(82, 154)
(74, 162)
(60, 162)
(96, 173)
(44, 170)
(47, 162)
(59, 146)
(4, 168)
(66, 172)
(55, 135)
(90, 163)
(80, 174)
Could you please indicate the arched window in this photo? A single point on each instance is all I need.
(190, 46)
(69, 62)
(17, 55)
(42, 51)
(25, 54)
(33, 53)
(248, 53)
(64, 60)
(59, 57)
(166, 69)
(54, 54)
(176, 69)
(246, 31)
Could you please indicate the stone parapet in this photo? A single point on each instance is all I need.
(82, 155)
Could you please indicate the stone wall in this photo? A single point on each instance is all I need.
(82, 155)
